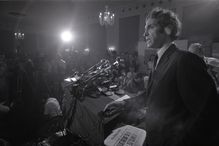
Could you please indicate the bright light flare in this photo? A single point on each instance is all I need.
(112, 48)
(71, 79)
(87, 50)
(66, 36)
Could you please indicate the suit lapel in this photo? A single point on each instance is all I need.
(165, 57)
(161, 66)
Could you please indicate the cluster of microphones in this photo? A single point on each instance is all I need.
(98, 79)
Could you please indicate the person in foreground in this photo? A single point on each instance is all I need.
(181, 98)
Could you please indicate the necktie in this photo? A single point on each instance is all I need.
(151, 77)
(155, 62)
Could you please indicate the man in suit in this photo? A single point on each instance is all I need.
(181, 99)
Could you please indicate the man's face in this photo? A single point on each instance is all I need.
(154, 37)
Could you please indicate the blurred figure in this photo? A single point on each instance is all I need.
(52, 107)
(133, 61)
(4, 101)
(198, 49)
(52, 120)
(4, 87)
(150, 63)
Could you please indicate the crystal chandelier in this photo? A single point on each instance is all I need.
(107, 17)
(19, 35)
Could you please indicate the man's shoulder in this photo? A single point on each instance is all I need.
(183, 54)
(188, 58)
(185, 57)
(179, 52)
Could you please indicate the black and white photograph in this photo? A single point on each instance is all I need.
(109, 72)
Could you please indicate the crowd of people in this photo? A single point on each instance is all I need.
(30, 82)
(26, 84)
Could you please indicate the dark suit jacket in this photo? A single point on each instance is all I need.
(182, 102)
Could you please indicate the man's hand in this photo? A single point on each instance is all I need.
(113, 108)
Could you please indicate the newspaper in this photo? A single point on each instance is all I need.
(126, 136)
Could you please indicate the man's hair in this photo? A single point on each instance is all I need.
(166, 18)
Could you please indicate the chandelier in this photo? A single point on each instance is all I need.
(107, 17)
(19, 35)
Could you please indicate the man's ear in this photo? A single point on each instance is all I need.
(167, 30)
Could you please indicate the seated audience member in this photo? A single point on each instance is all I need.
(134, 81)
(131, 74)
(122, 78)
(52, 108)
(126, 61)
(134, 60)
(52, 121)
